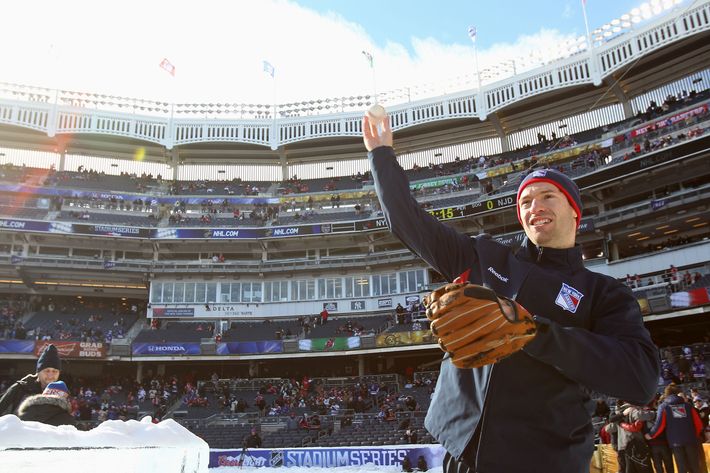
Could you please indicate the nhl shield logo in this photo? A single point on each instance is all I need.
(568, 298)
(277, 458)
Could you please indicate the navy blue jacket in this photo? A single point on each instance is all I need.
(530, 412)
(680, 422)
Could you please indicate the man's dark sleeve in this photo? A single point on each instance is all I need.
(615, 357)
(445, 249)
(10, 400)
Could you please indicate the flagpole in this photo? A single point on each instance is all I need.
(374, 83)
(586, 24)
(472, 34)
(371, 62)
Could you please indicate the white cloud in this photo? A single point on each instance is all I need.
(218, 47)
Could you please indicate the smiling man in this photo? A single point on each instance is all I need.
(49, 367)
(519, 400)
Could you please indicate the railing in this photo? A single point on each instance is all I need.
(58, 112)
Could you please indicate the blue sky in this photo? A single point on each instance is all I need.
(448, 20)
(218, 46)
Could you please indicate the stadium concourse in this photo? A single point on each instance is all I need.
(239, 278)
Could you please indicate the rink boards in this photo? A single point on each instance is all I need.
(322, 457)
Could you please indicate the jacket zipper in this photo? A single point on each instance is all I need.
(483, 415)
(539, 254)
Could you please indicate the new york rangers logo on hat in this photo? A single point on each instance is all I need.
(568, 298)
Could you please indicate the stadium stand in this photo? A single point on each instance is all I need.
(206, 274)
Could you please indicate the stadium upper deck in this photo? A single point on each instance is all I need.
(614, 72)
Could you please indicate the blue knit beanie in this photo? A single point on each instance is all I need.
(57, 388)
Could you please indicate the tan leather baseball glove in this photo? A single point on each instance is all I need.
(476, 326)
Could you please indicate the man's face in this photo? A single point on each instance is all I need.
(548, 218)
(48, 375)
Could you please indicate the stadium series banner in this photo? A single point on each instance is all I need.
(391, 456)
(166, 349)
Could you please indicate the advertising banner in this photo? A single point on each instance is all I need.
(657, 204)
(385, 456)
(24, 225)
(111, 230)
(669, 121)
(329, 344)
(330, 306)
(166, 349)
(264, 346)
(434, 183)
(159, 312)
(416, 337)
(357, 305)
(73, 349)
(17, 346)
(237, 233)
(384, 303)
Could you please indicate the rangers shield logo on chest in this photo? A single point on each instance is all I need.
(568, 298)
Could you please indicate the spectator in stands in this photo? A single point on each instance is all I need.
(683, 428)
(400, 311)
(51, 407)
(595, 341)
(421, 463)
(602, 409)
(253, 440)
(683, 365)
(410, 436)
(49, 367)
(314, 423)
(661, 454)
(698, 369)
(636, 451)
(292, 422)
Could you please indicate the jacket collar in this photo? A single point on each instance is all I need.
(42, 400)
(567, 258)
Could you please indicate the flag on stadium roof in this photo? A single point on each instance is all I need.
(269, 69)
(472, 33)
(368, 56)
(168, 66)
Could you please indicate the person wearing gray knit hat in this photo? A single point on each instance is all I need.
(49, 366)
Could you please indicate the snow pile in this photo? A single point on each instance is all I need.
(113, 446)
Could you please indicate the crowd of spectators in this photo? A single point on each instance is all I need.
(113, 202)
(233, 187)
(672, 276)
(12, 308)
(646, 435)
(76, 319)
(63, 178)
(97, 400)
